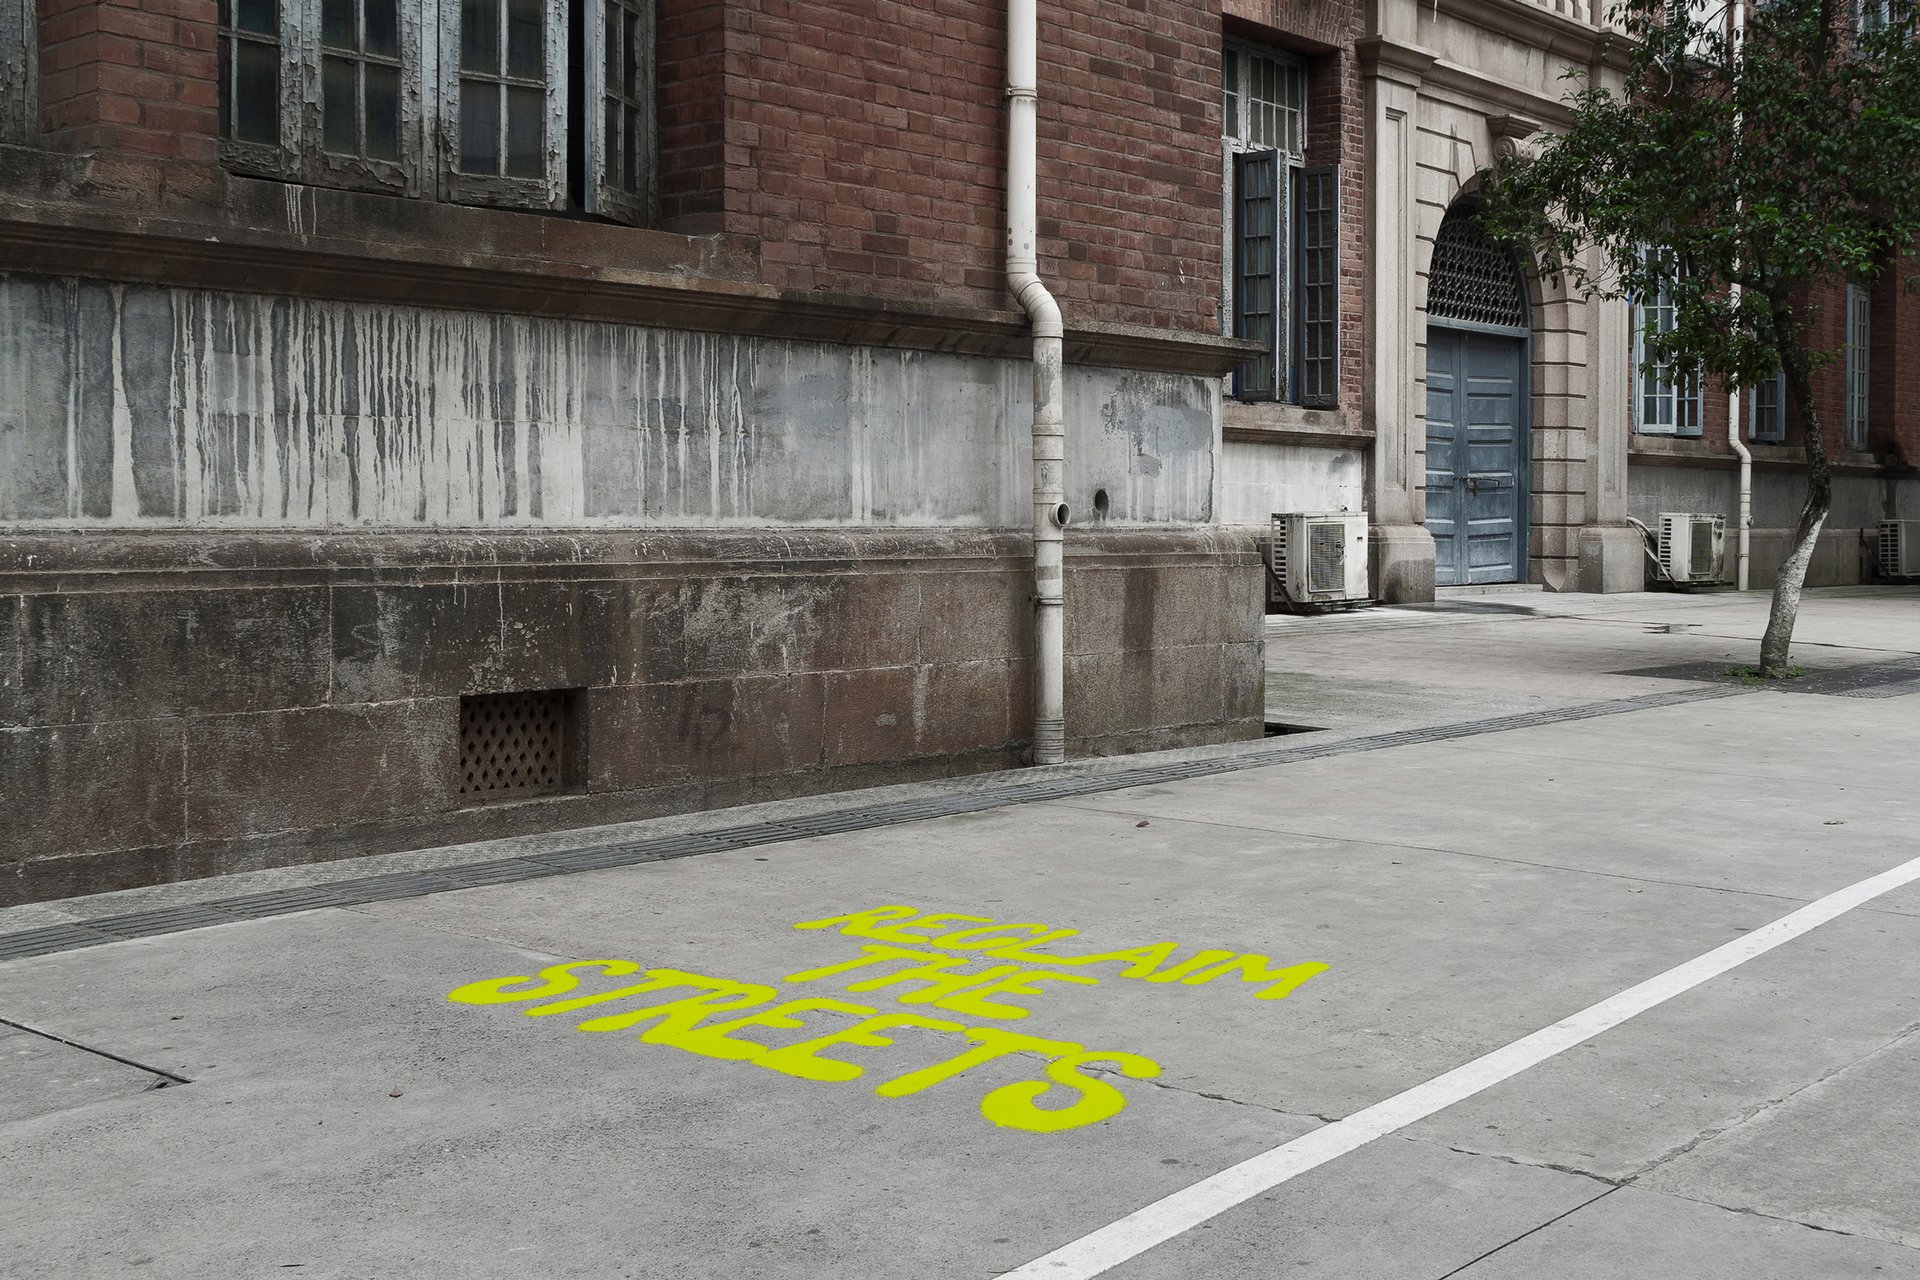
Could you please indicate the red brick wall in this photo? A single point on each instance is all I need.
(1335, 135)
(1893, 393)
(130, 75)
(859, 143)
(865, 149)
(690, 65)
(1893, 397)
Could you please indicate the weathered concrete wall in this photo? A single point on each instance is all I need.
(129, 406)
(1847, 540)
(175, 706)
(1258, 479)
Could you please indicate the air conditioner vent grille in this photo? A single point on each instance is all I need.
(1326, 557)
(1900, 548)
(1702, 564)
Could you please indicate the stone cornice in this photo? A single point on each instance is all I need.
(687, 282)
(1574, 39)
(1391, 60)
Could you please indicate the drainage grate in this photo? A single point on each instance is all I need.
(59, 937)
(513, 745)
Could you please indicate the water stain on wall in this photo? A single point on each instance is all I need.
(136, 405)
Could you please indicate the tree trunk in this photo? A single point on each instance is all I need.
(1793, 571)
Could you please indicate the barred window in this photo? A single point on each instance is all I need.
(542, 104)
(1859, 340)
(1282, 233)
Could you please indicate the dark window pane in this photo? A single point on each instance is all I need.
(383, 28)
(1255, 298)
(525, 134)
(631, 46)
(479, 127)
(480, 36)
(610, 39)
(336, 24)
(525, 57)
(610, 153)
(630, 167)
(262, 16)
(337, 92)
(256, 92)
(383, 112)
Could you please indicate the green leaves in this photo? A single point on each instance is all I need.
(1779, 162)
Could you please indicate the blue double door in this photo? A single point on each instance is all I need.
(1477, 455)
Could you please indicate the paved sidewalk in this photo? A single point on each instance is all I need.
(296, 1093)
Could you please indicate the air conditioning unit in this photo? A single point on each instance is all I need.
(1319, 557)
(1900, 548)
(1693, 547)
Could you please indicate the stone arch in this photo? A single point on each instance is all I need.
(1558, 344)
(1479, 377)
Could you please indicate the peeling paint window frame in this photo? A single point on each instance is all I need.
(549, 189)
(19, 71)
(608, 140)
(1242, 126)
(301, 155)
(581, 170)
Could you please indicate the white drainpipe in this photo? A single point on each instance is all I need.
(1049, 436)
(1733, 398)
(1746, 472)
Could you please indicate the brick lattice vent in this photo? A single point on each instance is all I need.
(513, 744)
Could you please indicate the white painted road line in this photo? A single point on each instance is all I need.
(1166, 1218)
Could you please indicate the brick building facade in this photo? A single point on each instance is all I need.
(383, 394)
(391, 390)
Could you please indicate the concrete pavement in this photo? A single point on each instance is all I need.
(327, 1109)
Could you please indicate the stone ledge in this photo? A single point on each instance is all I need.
(1260, 423)
(1658, 451)
(59, 560)
(275, 238)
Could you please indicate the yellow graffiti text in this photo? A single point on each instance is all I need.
(1017, 941)
(705, 1016)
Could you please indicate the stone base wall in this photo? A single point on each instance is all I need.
(174, 705)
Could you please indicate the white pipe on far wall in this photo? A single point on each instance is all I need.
(1049, 435)
(1733, 398)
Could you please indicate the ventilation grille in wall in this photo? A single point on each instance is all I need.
(514, 744)
(1473, 278)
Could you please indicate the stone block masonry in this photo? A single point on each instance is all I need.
(170, 709)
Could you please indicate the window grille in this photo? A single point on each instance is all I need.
(1266, 101)
(1474, 279)
(1859, 338)
(1317, 294)
(514, 745)
(1257, 242)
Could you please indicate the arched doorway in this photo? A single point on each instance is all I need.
(1477, 406)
